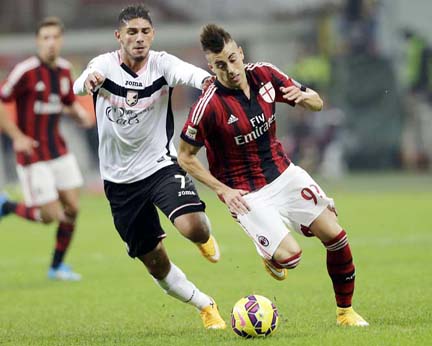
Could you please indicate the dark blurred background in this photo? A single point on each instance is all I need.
(371, 60)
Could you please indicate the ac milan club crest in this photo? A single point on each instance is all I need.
(132, 97)
(263, 241)
(267, 92)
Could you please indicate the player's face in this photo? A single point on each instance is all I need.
(228, 66)
(135, 38)
(49, 41)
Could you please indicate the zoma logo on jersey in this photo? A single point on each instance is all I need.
(134, 83)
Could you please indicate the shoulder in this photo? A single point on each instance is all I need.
(263, 68)
(204, 104)
(23, 67)
(63, 63)
(106, 58)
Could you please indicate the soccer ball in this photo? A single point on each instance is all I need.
(254, 316)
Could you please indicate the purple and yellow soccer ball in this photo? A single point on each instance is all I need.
(254, 316)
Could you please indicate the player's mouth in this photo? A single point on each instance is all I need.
(236, 78)
(139, 49)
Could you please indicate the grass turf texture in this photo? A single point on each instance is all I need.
(388, 219)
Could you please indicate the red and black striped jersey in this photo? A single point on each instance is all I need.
(239, 134)
(40, 92)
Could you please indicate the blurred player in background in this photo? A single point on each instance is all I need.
(41, 88)
(267, 194)
(132, 90)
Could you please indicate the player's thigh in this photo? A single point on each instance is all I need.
(135, 217)
(326, 226)
(38, 184)
(265, 227)
(301, 200)
(66, 172)
(175, 194)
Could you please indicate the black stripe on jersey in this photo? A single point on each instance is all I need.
(121, 91)
(170, 126)
(268, 166)
(52, 118)
(128, 70)
(230, 181)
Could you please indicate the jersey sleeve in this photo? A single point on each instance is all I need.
(98, 64)
(13, 85)
(194, 129)
(179, 72)
(280, 79)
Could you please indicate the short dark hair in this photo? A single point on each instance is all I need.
(213, 38)
(49, 21)
(132, 12)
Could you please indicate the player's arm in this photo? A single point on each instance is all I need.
(305, 97)
(189, 161)
(21, 142)
(179, 72)
(92, 78)
(79, 114)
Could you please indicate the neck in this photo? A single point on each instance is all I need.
(134, 65)
(49, 62)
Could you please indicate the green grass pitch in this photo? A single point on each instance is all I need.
(389, 223)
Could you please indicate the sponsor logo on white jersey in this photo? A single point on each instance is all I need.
(232, 119)
(267, 92)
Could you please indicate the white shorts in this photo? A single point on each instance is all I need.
(291, 202)
(42, 180)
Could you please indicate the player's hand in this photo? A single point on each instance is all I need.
(207, 82)
(234, 200)
(24, 144)
(93, 81)
(293, 93)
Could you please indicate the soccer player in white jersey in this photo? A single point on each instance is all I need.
(132, 89)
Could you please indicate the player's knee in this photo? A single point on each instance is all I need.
(71, 212)
(291, 262)
(195, 227)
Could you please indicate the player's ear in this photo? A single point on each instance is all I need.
(117, 35)
(241, 53)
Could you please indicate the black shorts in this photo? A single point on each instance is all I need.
(133, 206)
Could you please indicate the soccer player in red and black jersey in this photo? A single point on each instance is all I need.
(249, 171)
(41, 87)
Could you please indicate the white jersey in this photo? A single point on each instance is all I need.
(133, 112)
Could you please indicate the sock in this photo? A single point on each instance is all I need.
(341, 269)
(178, 286)
(63, 238)
(289, 263)
(20, 209)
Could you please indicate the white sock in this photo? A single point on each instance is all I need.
(178, 286)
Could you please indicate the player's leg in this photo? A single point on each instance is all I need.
(311, 211)
(340, 266)
(40, 195)
(175, 283)
(175, 194)
(278, 248)
(68, 181)
(137, 222)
